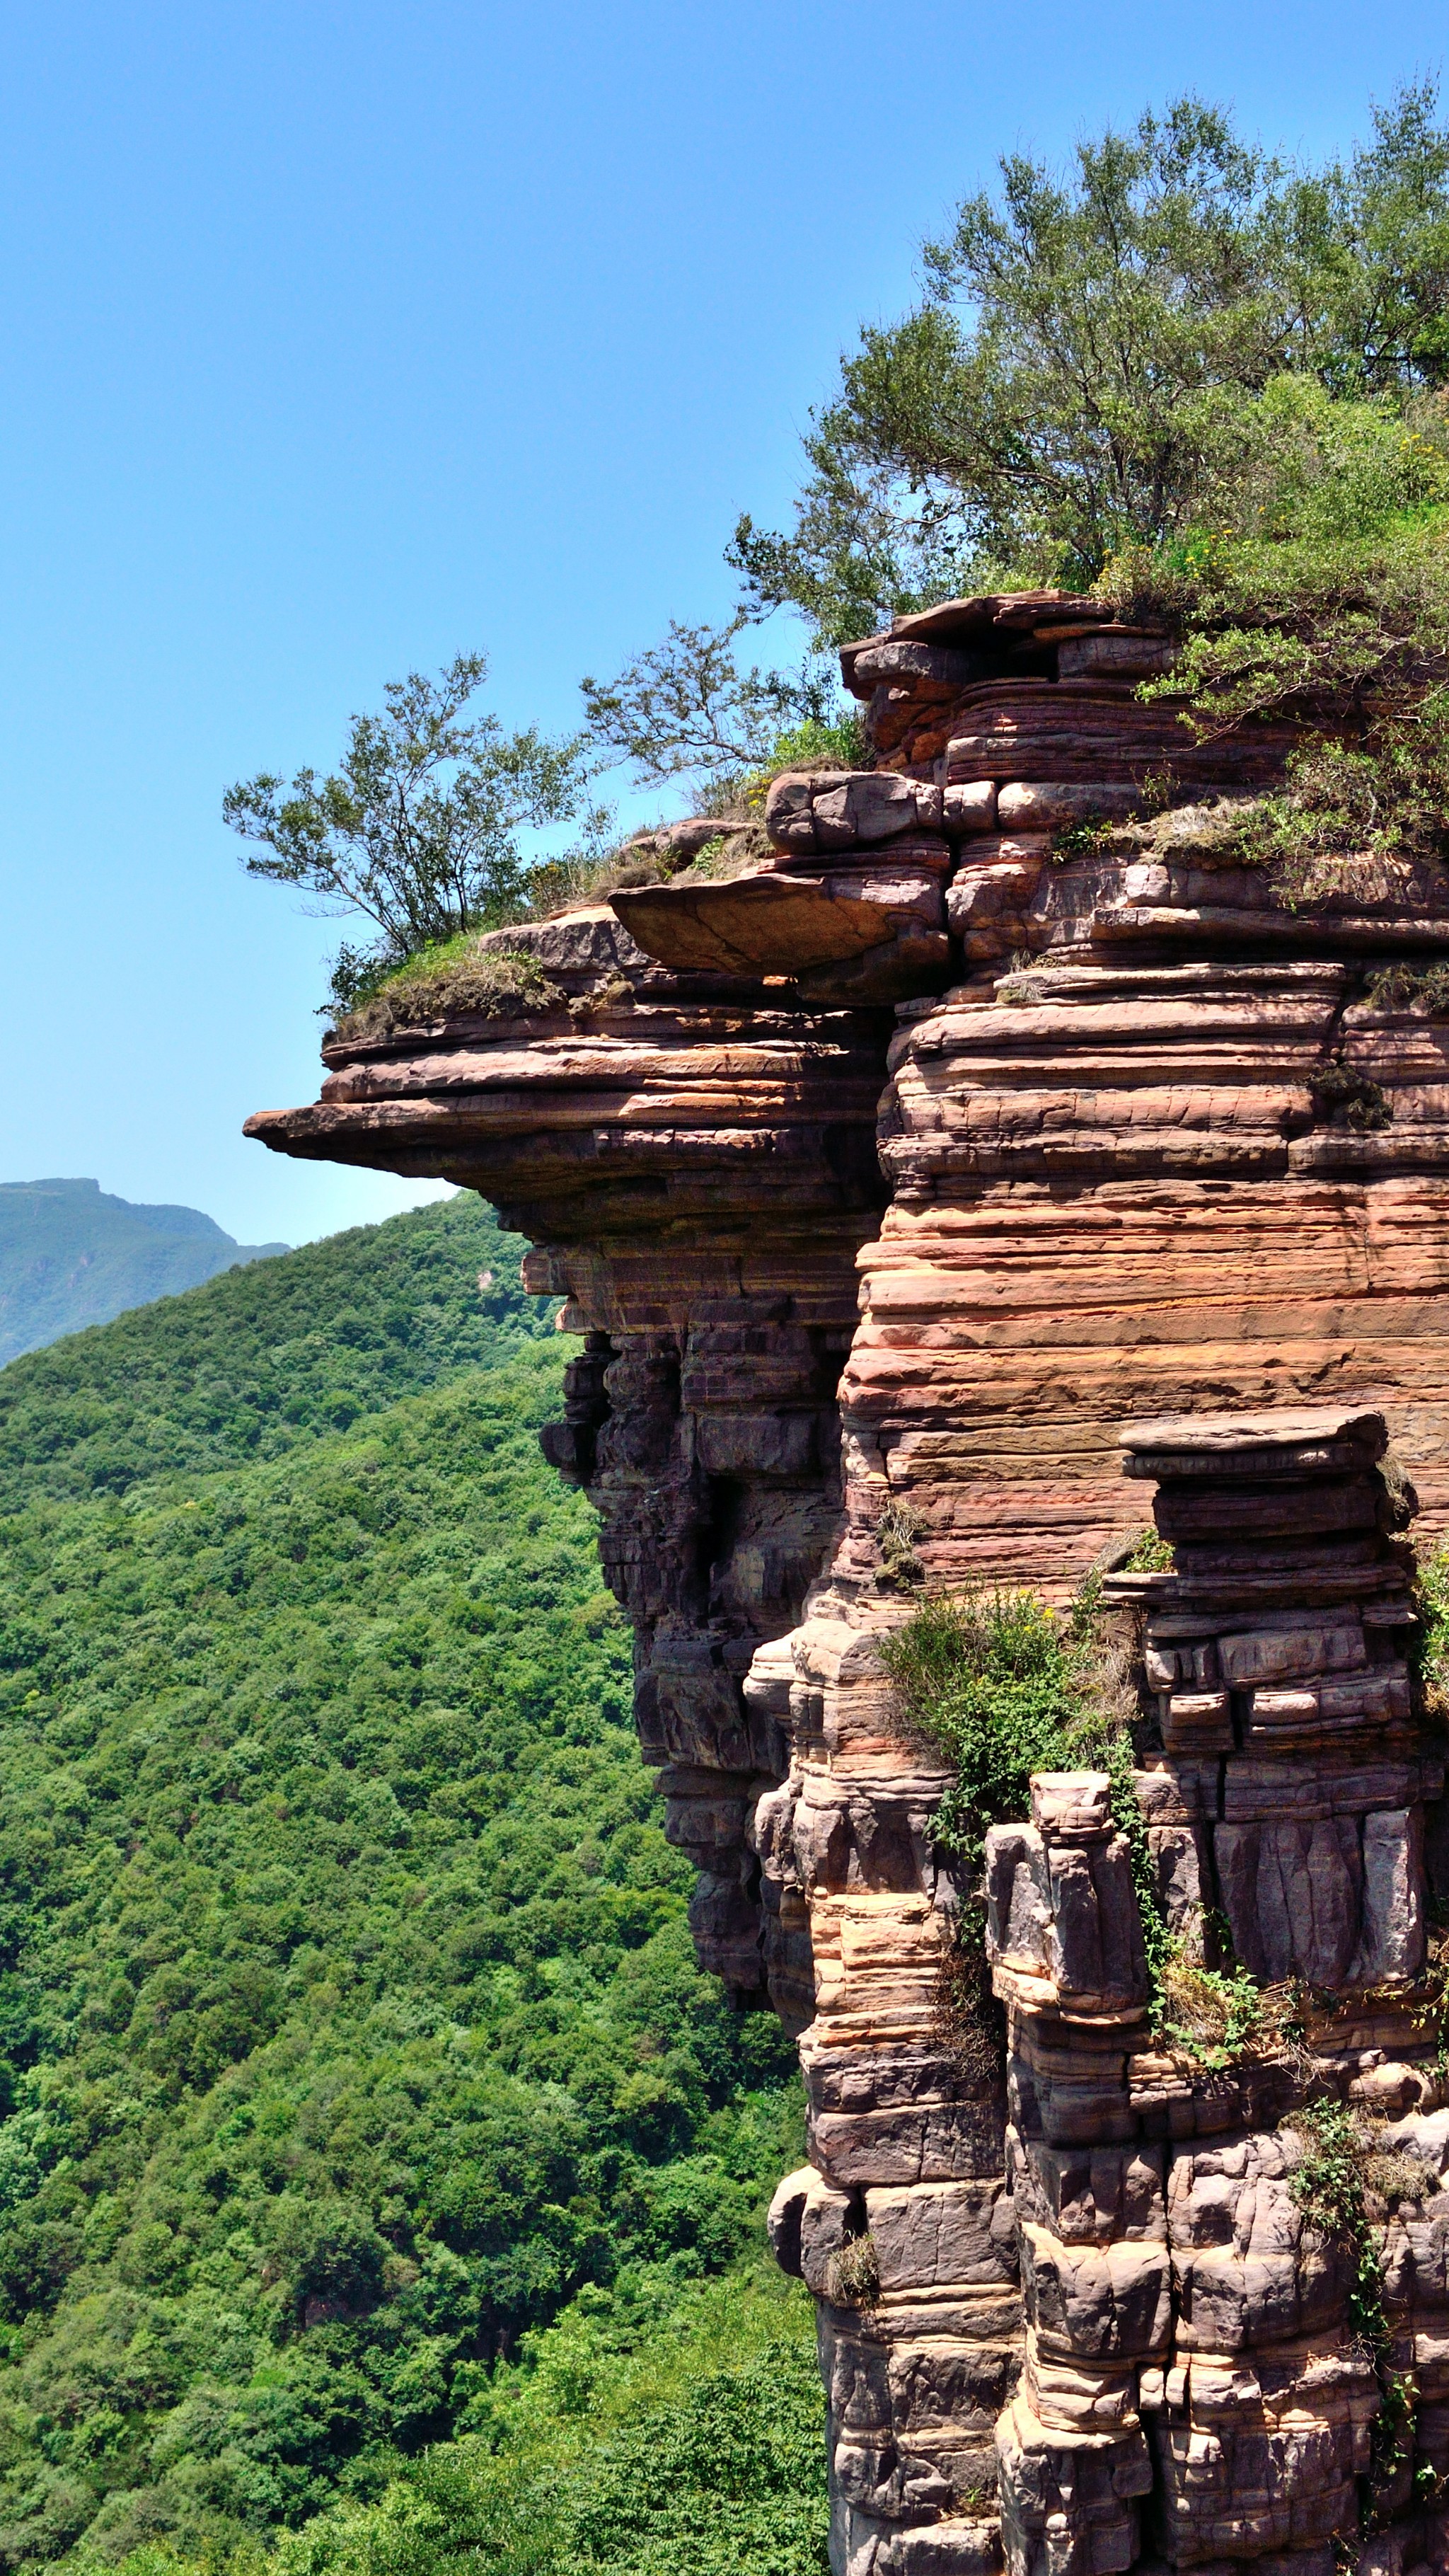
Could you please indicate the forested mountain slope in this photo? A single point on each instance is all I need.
(349, 2021)
(72, 1255)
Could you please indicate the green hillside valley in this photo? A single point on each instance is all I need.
(380, 2182)
(73, 1255)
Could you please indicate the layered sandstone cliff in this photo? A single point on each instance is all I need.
(1091, 1130)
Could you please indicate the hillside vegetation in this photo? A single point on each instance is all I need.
(359, 2087)
(72, 1255)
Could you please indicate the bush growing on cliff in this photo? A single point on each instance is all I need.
(1318, 589)
(1002, 1686)
(418, 831)
(686, 709)
(418, 828)
(999, 1686)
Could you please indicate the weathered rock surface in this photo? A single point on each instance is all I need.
(884, 920)
(695, 1161)
(1110, 1134)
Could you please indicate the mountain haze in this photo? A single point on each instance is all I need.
(72, 1255)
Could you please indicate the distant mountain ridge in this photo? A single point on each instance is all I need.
(72, 1255)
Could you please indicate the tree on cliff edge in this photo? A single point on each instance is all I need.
(1082, 365)
(417, 829)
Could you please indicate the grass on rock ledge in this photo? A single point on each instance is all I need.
(462, 977)
(453, 978)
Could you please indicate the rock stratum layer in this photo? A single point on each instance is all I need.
(886, 1181)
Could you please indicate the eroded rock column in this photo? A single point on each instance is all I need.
(1110, 2250)
(1195, 2394)
(901, 2224)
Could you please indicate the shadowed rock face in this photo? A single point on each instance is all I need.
(695, 1163)
(906, 1169)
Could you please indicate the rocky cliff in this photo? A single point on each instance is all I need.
(886, 1181)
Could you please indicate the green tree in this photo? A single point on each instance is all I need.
(687, 709)
(1372, 240)
(1085, 360)
(417, 829)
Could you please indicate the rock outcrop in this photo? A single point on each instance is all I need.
(1190, 2351)
(694, 1159)
(1005, 1030)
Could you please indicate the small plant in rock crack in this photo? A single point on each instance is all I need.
(1148, 1554)
(1213, 2016)
(1085, 839)
(896, 1533)
(1195, 2011)
(1159, 787)
(852, 2277)
(1433, 2013)
(1342, 2181)
(1349, 1098)
(1430, 1646)
(982, 2496)
(966, 2018)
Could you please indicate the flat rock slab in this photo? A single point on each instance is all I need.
(1279, 1443)
(770, 924)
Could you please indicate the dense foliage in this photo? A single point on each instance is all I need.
(1088, 346)
(269, 1359)
(349, 2022)
(680, 2443)
(1317, 588)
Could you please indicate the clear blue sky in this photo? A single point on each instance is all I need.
(340, 338)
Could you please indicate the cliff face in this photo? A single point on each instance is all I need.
(694, 1160)
(1109, 1135)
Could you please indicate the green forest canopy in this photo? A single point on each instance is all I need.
(360, 2089)
(1208, 384)
(1089, 347)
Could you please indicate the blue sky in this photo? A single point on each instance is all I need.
(340, 338)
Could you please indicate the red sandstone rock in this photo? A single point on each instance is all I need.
(1114, 1188)
(783, 924)
(847, 809)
